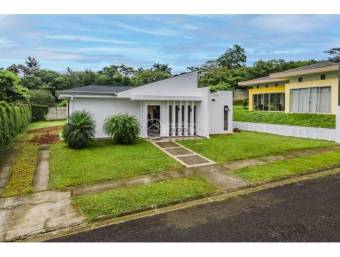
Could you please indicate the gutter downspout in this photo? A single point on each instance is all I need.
(337, 123)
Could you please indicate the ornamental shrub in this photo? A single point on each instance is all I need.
(79, 130)
(39, 112)
(123, 128)
(14, 118)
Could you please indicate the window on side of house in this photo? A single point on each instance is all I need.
(300, 79)
(323, 76)
(269, 102)
(311, 100)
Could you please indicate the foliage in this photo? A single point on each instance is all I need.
(148, 76)
(46, 124)
(79, 130)
(131, 199)
(286, 168)
(244, 145)
(14, 118)
(234, 57)
(294, 119)
(104, 161)
(10, 87)
(123, 128)
(334, 54)
(21, 180)
(42, 97)
(39, 112)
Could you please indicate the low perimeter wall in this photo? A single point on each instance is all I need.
(56, 113)
(286, 130)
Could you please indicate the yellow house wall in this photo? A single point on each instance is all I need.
(313, 80)
(263, 90)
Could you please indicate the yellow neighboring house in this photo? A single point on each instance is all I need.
(308, 89)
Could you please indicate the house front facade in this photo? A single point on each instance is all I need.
(309, 89)
(172, 107)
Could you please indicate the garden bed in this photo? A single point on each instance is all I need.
(294, 119)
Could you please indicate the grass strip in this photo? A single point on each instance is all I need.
(131, 199)
(296, 166)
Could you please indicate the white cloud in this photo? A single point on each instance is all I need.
(156, 32)
(87, 39)
(288, 23)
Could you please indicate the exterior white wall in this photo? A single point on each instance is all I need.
(285, 130)
(217, 101)
(202, 114)
(103, 108)
(337, 126)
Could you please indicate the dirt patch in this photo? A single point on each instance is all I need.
(45, 135)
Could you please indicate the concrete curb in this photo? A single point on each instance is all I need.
(180, 206)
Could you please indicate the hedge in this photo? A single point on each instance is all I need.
(294, 119)
(14, 118)
(39, 112)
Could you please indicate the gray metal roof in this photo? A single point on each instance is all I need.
(317, 65)
(94, 90)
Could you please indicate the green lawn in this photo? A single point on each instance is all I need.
(46, 124)
(105, 160)
(223, 148)
(295, 119)
(281, 169)
(126, 200)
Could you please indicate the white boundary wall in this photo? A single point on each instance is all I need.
(286, 130)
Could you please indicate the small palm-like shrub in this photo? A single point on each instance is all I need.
(79, 130)
(123, 128)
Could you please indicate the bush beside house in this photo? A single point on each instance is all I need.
(14, 118)
(79, 130)
(123, 128)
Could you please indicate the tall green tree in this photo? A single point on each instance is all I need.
(234, 57)
(334, 54)
(11, 89)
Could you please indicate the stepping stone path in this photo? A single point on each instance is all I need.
(183, 155)
(36, 213)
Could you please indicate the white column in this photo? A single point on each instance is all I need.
(174, 118)
(192, 119)
(186, 127)
(180, 131)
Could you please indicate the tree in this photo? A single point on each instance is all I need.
(334, 54)
(148, 76)
(10, 88)
(161, 67)
(14, 68)
(31, 66)
(234, 57)
(42, 97)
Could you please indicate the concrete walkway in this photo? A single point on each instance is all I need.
(42, 173)
(235, 165)
(220, 177)
(36, 213)
(183, 155)
(134, 181)
(5, 169)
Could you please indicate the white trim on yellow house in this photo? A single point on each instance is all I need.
(285, 81)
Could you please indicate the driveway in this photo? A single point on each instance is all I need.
(306, 211)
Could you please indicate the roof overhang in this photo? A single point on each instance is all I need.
(286, 74)
(259, 82)
(71, 96)
(166, 97)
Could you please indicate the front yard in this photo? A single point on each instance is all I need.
(243, 145)
(104, 160)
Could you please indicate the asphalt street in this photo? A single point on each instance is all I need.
(303, 212)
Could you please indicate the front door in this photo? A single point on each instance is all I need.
(154, 117)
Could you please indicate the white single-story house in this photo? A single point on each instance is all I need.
(171, 107)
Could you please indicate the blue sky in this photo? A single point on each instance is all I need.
(94, 41)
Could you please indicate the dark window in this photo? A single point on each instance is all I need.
(269, 102)
(300, 79)
(323, 76)
(257, 87)
(225, 120)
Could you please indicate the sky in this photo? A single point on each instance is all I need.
(96, 41)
